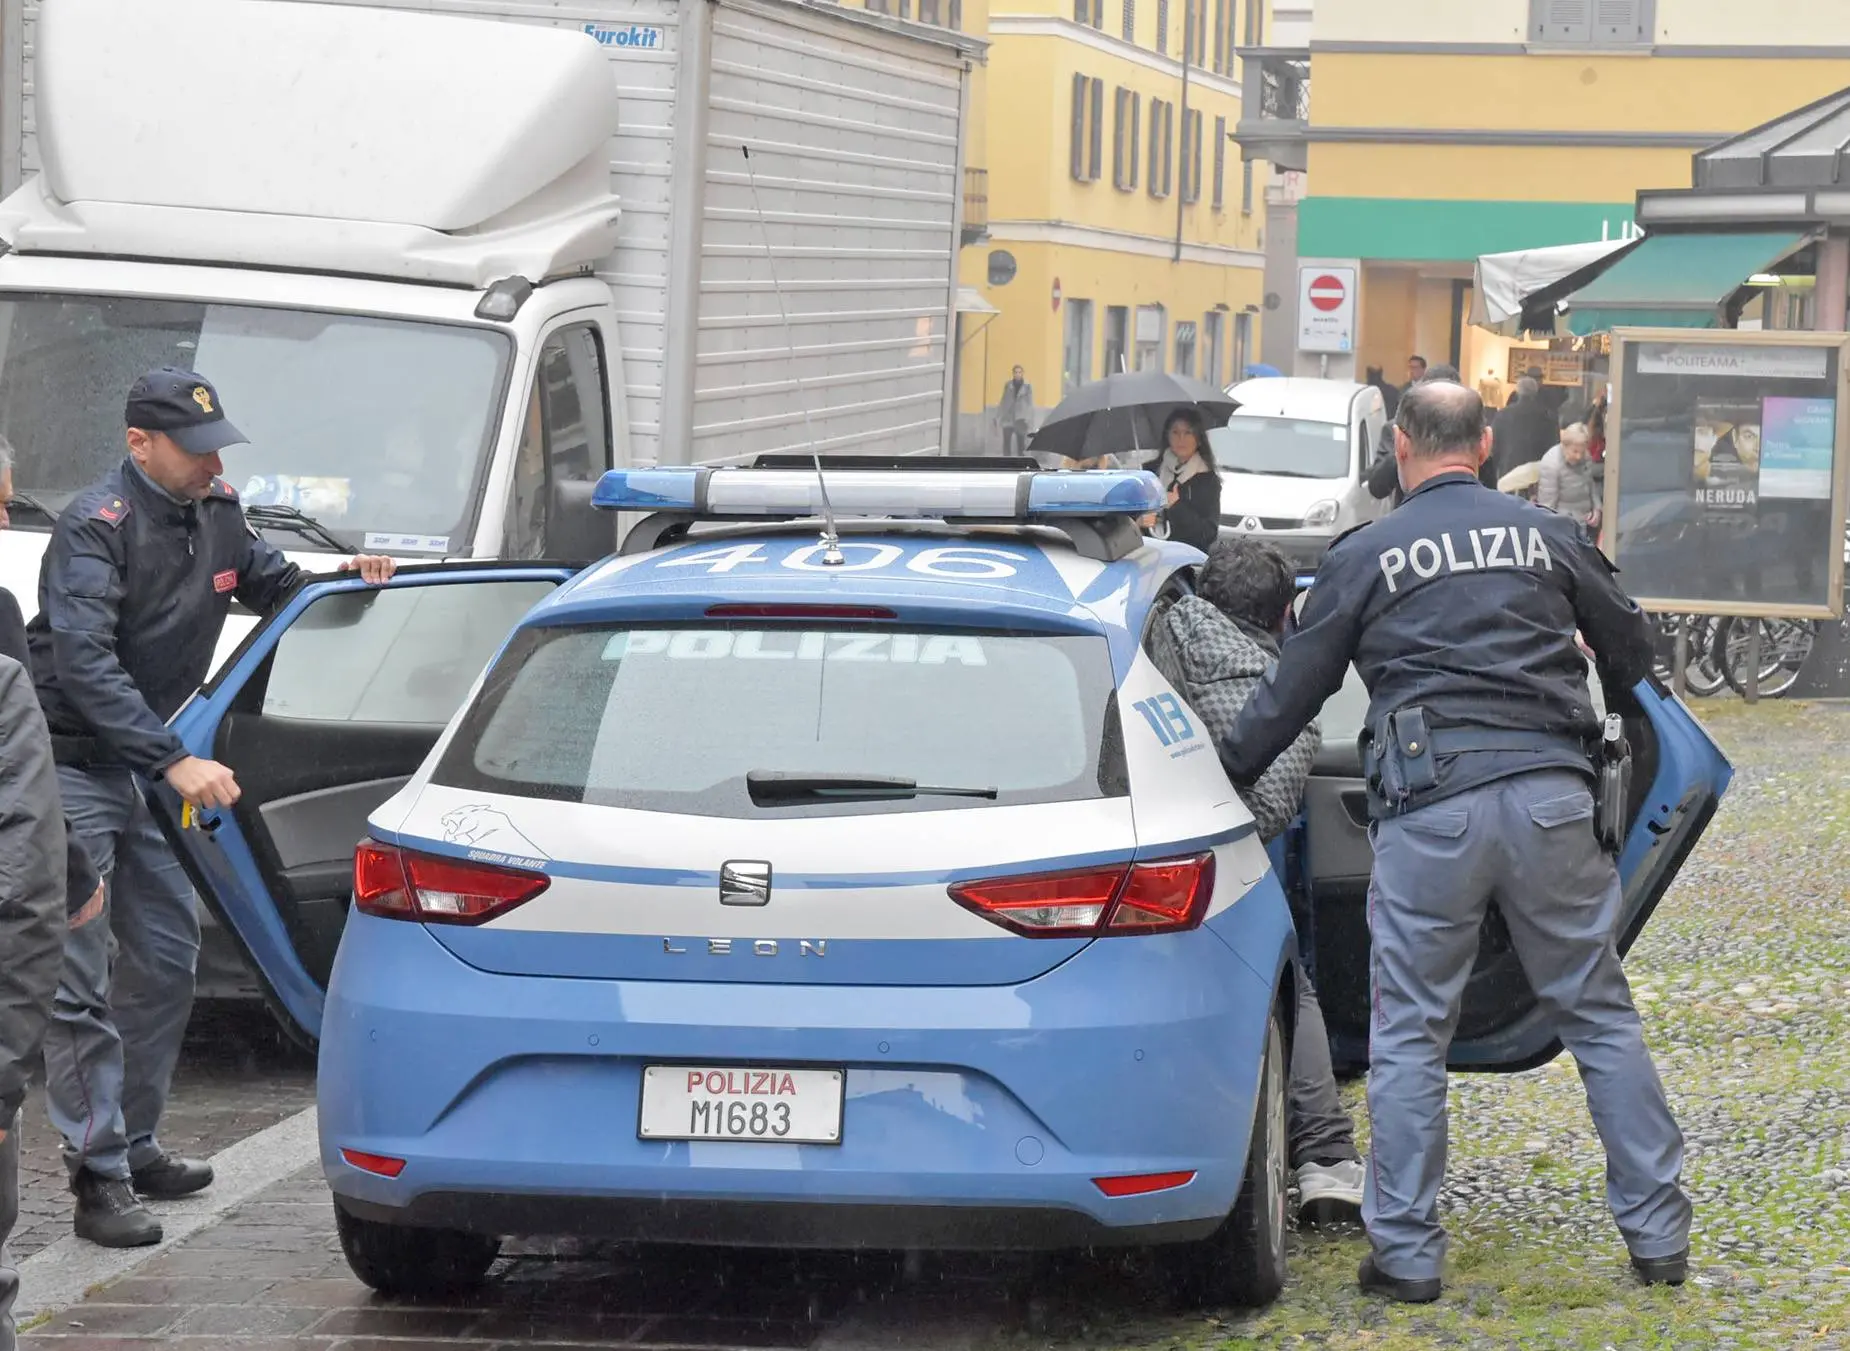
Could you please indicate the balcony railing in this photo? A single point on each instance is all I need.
(976, 205)
(1275, 117)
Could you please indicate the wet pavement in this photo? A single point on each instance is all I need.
(270, 1276)
(237, 1076)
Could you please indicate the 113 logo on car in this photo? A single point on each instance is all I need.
(1169, 720)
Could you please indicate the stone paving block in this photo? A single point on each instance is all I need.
(385, 1320)
(244, 1321)
(97, 1319)
(691, 1332)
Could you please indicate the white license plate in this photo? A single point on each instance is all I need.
(758, 1104)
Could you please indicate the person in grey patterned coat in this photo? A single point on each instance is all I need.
(1215, 648)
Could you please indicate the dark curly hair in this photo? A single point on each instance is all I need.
(1248, 580)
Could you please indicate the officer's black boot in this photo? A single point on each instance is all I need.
(170, 1177)
(109, 1215)
(1671, 1270)
(1377, 1282)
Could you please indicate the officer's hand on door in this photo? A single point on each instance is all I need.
(204, 783)
(376, 569)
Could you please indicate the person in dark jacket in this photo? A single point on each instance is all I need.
(1524, 432)
(1215, 648)
(1190, 479)
(85, 884)
(1384, 474)
(133, 592)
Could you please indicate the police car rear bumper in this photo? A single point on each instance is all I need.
(974, 1117)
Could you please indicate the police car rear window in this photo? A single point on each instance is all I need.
(673, 719)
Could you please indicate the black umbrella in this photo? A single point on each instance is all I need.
(1124, 414)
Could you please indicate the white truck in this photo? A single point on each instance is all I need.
(448, 260)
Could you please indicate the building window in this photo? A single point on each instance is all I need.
(1220, 35)
(1212, 369)
(1089, 12)
(1242, 344)
(1252, 23)
(1246, 188)
(1185, 347)
(1194, 32)
(1130, 20)
(1220, 163)
(1076, 367)
(1162, 27)
(1191, 156)
(1595, 23)
(929, 12)
(1124, 139)
(1117, 338)
(1162, 147)
(1149, 356)
(1088, 149)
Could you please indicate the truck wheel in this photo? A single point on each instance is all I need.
(401, 1260)
(1243, 1263)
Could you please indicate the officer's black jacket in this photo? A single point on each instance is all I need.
(1463, 601)
(133, 594)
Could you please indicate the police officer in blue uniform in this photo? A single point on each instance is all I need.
(141, 571)
(1459, 611)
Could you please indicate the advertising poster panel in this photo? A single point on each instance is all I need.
(1726, 471)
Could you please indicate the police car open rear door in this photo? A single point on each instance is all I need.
(323, 714)
(1679, 775)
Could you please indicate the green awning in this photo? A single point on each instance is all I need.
(1676, 281)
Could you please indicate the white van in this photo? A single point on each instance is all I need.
(1294, 461)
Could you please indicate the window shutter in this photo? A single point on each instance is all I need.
(1097, 130)
(1561, 20)
(1134, 140)
(1130, 20)
(1622, 22)
(1078, 156)
(1162, 27)
(1220, 162)
(1156, 147)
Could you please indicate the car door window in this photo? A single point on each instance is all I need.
(566, 438)
(406, 656)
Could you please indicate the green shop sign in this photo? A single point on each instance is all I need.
(1441, 231)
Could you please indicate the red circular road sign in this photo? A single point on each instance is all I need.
(1327, 292)
(1056, 293)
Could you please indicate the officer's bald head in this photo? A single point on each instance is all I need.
(1439, 427)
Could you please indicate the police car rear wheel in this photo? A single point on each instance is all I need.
(400, 1260)
(1244, 1262)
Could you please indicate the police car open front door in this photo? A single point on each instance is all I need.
(1678, 777)
(323, 714)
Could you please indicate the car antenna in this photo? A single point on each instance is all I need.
(831, 539)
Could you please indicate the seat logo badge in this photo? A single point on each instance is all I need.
(745, 883)
(1249, 523)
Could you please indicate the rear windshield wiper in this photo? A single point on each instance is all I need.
(769, 787)
(274, 517)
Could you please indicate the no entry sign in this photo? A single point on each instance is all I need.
(1326, 309)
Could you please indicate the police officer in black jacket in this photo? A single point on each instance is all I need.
(133, 592)
(1459, 611)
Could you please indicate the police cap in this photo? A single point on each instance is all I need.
(184, 405)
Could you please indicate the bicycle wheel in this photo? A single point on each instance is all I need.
(1702, 677)
(1784, 646)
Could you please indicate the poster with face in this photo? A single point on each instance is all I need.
(1727, 454)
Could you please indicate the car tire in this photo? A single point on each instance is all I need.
(1243, 1262)
(403, 1260)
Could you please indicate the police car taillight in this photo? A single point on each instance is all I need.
(1164, 896)
(395, 883)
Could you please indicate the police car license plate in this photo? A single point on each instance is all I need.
(757, 1104)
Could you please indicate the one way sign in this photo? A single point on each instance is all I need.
(1326, 309)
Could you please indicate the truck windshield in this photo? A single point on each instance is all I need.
(374, 427)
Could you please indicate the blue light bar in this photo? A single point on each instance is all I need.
(1002, 495)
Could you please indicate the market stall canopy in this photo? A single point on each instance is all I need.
(1502, 282)
(1677, 281)
(1805, 148)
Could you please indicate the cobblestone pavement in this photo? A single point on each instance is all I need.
(237, 1075)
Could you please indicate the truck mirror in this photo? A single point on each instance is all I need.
(576, 531)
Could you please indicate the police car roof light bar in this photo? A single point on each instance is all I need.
(1096, 511)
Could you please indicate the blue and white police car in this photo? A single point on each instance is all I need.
(768, 891)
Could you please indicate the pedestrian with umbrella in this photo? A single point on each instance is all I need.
(1137, 413)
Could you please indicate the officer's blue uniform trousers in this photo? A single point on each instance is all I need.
(1527, 841)
(114, 1041)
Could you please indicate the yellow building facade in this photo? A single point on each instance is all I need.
(1440, 130)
